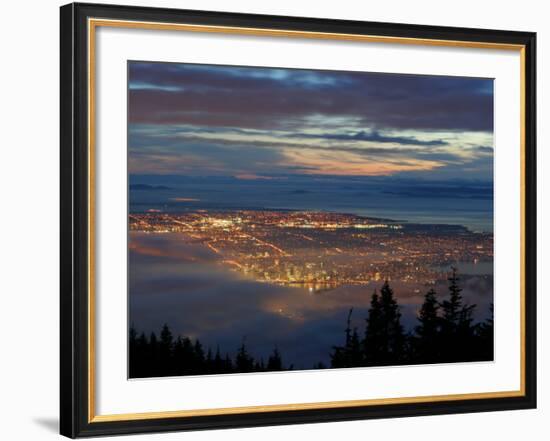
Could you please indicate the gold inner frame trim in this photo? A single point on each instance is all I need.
(300, 406)
(92, 25)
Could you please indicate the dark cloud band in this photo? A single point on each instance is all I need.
(275, 98)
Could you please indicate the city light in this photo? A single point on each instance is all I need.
(271, 247)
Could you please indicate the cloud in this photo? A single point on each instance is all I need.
(195, 150)
(485, 149)
(340, 163)
(255, 177)
(269, 97)
(258, 122)
(373, 135)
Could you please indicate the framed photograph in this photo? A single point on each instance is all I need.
(274, 220)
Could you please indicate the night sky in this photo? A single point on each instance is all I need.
(267, 123)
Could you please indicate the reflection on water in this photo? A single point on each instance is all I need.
(186, 286)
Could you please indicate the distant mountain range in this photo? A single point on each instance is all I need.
(149, 187)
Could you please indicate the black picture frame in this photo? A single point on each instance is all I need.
(74, 326)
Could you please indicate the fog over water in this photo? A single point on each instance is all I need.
(186, 286)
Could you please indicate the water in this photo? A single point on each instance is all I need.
(469, 204)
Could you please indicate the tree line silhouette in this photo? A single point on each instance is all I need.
(164, 356)
(445, 333)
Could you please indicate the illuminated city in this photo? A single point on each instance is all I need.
(323, 250)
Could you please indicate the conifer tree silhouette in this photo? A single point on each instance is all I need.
(385, 338)
(457, 330)
(209, 362)
(198, 357)
(165, 348)
(244, 362)
(426, 344)
(154, 367)
(485, 333)
(374, 334)
(218, 364)
(227, 364)
(452, 306)
(351, 353)
(134, 363)
(275, 362)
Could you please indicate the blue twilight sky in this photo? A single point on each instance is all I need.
(269, 123)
